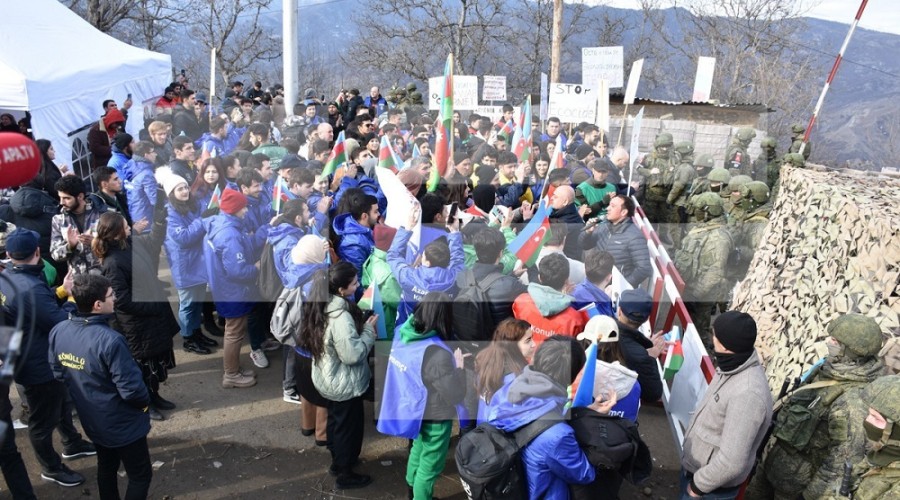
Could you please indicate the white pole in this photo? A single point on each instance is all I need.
(212, 81)
(290, 41)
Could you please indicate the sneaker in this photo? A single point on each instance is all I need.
(259, 358)
(63, 476)
(191, 345)
(291, 397)
(238, 380)
(79, 449)
(352, 480)
(18, 424)
(270, 345)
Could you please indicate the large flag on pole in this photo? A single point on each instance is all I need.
(337, 157)
(528, 244)
(555, 162)
(521, 142)
(443, 140)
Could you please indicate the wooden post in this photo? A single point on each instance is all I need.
(556, 41)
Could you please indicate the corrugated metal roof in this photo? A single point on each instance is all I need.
(754, 107)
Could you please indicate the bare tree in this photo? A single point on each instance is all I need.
(104, 15)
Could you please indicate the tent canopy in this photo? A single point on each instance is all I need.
(56, 65)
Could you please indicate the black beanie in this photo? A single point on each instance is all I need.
(582, 151)
(459, 157)
(484, 196)
(485, 174)
(122, 140)
(736, 331)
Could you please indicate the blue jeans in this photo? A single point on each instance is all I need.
(190, 308)
(718, 494)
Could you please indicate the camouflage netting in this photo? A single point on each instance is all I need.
(832, 246)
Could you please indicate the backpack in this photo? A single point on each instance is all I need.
(612, 443)
(488, 460)
(286, 318)
(268, 281)
(472, 318)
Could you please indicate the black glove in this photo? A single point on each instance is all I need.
(209, 212)
(3, 226)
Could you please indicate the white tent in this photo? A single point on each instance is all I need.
(56, 65)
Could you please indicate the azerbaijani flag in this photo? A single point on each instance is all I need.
(371, 301)
(527, 245)
(214, 201)
(386, 157)
(555, 162)
(584, 394)
(280, 194)
(589, 311)
(522, 141)
(337, 157)
(443, 140)
(674, 360)
(506, 130)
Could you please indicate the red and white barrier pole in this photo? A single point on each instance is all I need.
(837, 63)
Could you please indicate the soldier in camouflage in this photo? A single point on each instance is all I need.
(715, 182)
(755, 206)
(797, 132)
(657, 169)
(702, 261)
(734, 213)
(768, 165)
(737, 159)
(819, 427)
(682, 180)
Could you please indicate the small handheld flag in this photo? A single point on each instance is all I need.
(528, 244)
(337, 157)
(214, 201)
(584, 395)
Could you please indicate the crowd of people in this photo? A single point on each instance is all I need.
(243, 203)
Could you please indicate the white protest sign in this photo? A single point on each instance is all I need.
(544, 94)
(572, 102)
(495, 112)
(706, 67)
(465, 92)
(606, 63)
(635, 136)
(634, 78)
(493, 88)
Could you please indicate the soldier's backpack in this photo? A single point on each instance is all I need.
(287, 316)
(472, 318)
(801, 412)
(268, 280)
(489, 464)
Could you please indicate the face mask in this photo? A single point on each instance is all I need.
(834, 350)
(715, 188)
(731, 362)
(736, 198)
(884, 449)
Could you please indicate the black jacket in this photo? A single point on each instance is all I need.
(569, 215)
(627, 245)
(184, 170)
(32, 209)
(119, 204)
(143, 313)
(445, 383)
(185, 120)
(501, 294)
(634, 346)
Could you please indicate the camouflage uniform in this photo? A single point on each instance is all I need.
(715, 182)
(734, 213)
(748, 231)
(797, 132)
(820, 425)
(768, 165)
(682, 180)
(877, 475)
(737, 160)
(80, 259)
(658, 184)
(702, 261)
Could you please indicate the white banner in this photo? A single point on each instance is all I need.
(545, 86)
(495, 112)
(606, 63)
(635, 136)
(634, 79)
(465, 92)
(493, 88)
(572, 103)
(706, 67)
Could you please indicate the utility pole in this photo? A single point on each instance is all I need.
(556, 41)
(289, 48)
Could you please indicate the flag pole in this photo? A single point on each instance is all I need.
(622, 129)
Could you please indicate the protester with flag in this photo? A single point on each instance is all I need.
(338, 156)
(377, 272)
(527, 245)
(601, 336)
(640, 352)
(545, 306)
(522, 139)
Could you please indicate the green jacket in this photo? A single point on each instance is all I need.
(684, 177)
(591, 192)
(342, 372)
(662, 180)
(702, 260)
(376, 270)
(507, 259)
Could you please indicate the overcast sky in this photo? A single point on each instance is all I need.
(880, 15)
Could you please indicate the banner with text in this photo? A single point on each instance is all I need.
(606, 63)
(706, 67)
(495, 112)
(465, 92)
(493, 88)
(573, 103)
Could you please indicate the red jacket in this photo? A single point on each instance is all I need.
(566, 322)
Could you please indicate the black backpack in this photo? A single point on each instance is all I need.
(472, 318)
(268, 280)
(489, 464)
(612, 443)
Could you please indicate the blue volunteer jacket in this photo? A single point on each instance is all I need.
(118, 161)
(142, 191)
(232, 275)
(103, 379)
(184, 248)
(356, 243)
(256, 222)
(416, 282)
(284, 238)
(587, 293)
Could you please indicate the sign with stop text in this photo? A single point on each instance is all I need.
(465, 92)
(573, 102)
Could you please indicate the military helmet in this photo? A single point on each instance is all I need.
(756, 191)
(795, 159)
(797, 128)
(415, 97)
(745, 134)
(710, 203)
(768, 143)
(719, 174)
(706, 161)
(684, 148)
(737, 181)
(860, 334)
(663, 139)
(410, 87)
(883, 394)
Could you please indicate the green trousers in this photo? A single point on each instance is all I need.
(427, 457)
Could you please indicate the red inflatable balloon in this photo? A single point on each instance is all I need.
(20, 159)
